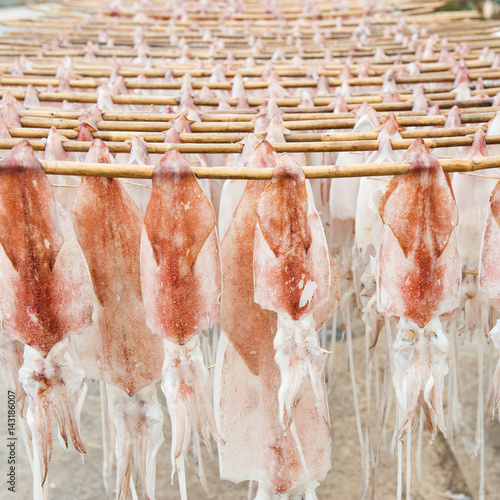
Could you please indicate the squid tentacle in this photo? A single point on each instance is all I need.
(419, 369)
(187, 388)
(138, 421)
(56, 390)
(299, 356)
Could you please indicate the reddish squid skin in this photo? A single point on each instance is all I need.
(90, 202)
(253, 339)
(489, 271)
(479, 146)
(414, 150)
(495, 203)
(118, 348)
(391, 125)
(420, 210)
(54, 148)
(180, 263)
(85, 132)
(256, 447)
(286, 226)
(39, 296)
(251, 413)
(4, 128)
(253, 332)
(11, 115)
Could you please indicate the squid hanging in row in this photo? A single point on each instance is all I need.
(181, 287)
(275, 386)
(45, 296)
(489, 275)
(419, 283)
(118, 348)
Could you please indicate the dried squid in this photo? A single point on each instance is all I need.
(489, 274)
(257, 447)
(119, 349)
(368, 232)
(54, 151)
(45, 296)
(418, 285)
(140, 189)
(419, 281)
(180, 277)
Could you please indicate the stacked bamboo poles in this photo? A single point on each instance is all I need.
(356, 170)
(217, 132)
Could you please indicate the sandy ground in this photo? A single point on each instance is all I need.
(442, 470)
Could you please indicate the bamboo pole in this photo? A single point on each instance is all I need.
(462, 29)
(246, 126)
(287, 147)
(90, 97)
(45, 75)
(97, 69)
(358, 170)
(229, 138)
(391, 47)
(122, 35)
(468, 115)
(239, 54)
(122, 32)
(251, 85)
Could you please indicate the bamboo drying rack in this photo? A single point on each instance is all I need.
(161, 54)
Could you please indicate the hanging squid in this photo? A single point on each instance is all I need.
(472, 194)
(368, 227)
(291, 278)
(489, 275)
(419, 282)
(180, 278)
(118, 348)
(140, 189)
(274, 388)
(54, 151)
(45, 296)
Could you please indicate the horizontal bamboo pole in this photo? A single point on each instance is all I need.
(97, 69)
(238, 54)
(287, 147)
(432, 22)
(43, 75)
(468, 115)
(90, 97)
(299, 13)
(249, 85)
(123, 46)
(211, 127)
(229, 138)
(358, 170)
(201, 49)
(96, 24)
(87, 83)
(123, 36)
(155, 35)
(376, 68)
(203, 54)
(457, 32)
